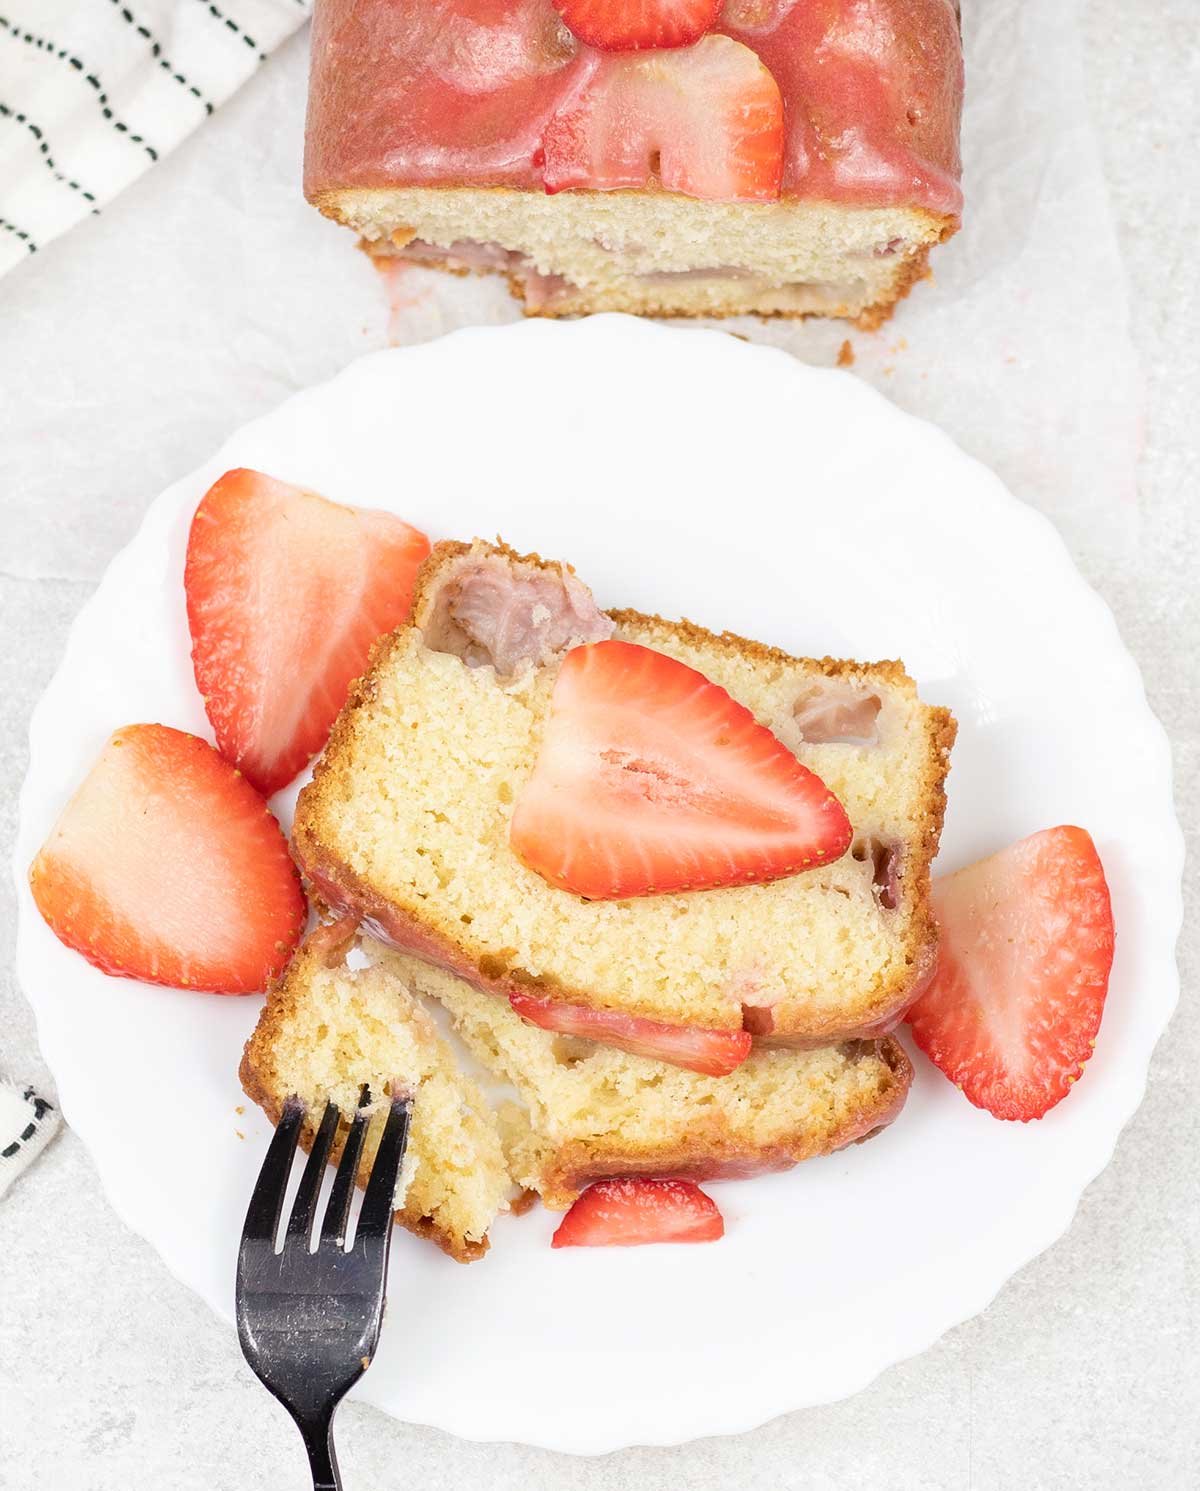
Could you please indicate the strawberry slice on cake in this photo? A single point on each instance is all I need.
(286, 592)
(714, 1053)
(706, 120)
(652, 779)
(632, 25)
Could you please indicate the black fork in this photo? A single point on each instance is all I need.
(309, 1320)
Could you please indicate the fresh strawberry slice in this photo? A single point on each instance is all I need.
(650, 778)
(716, 1053)
(1026, 946)
(631, 25)
(285, 594)
(706, 120)
(627, 1213)
(167, 866)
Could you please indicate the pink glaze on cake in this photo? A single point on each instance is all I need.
(435, 92)
(461, 92)
(872, 93)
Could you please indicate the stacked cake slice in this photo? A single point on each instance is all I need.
(350, 1012)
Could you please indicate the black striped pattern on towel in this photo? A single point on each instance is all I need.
(94, 92)
(27, 1124)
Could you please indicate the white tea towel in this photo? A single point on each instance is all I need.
(93, 92)
(27, 1125)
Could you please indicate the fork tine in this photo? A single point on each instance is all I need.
(304, 1208)
(266, 1200)
(337, 1213)
(376, 1216)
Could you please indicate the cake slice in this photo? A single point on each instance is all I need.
(583, 1112)
(406, 825)
(589, 1111)
(795, 159)
(325, 1031)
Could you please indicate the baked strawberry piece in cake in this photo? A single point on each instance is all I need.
(665, 157)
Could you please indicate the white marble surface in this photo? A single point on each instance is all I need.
(1084, 1373)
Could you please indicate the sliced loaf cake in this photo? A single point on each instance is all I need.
(582, 1112)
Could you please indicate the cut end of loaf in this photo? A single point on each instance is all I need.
(651, 252)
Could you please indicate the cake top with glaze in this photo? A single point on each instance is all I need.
(851, 102)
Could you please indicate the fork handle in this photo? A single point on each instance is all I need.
(322, 1458)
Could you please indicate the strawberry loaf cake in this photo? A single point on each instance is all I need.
(663, 157)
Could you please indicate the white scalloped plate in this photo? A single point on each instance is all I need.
(687, 473)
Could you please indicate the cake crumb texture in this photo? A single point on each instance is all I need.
(652, 252)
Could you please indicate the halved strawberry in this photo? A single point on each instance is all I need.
(1026, 947)
(627, 1213)
(706, 120)
(285, 594)
(716, 1053)
(651, 778)
(167, 866)
(631, 25)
